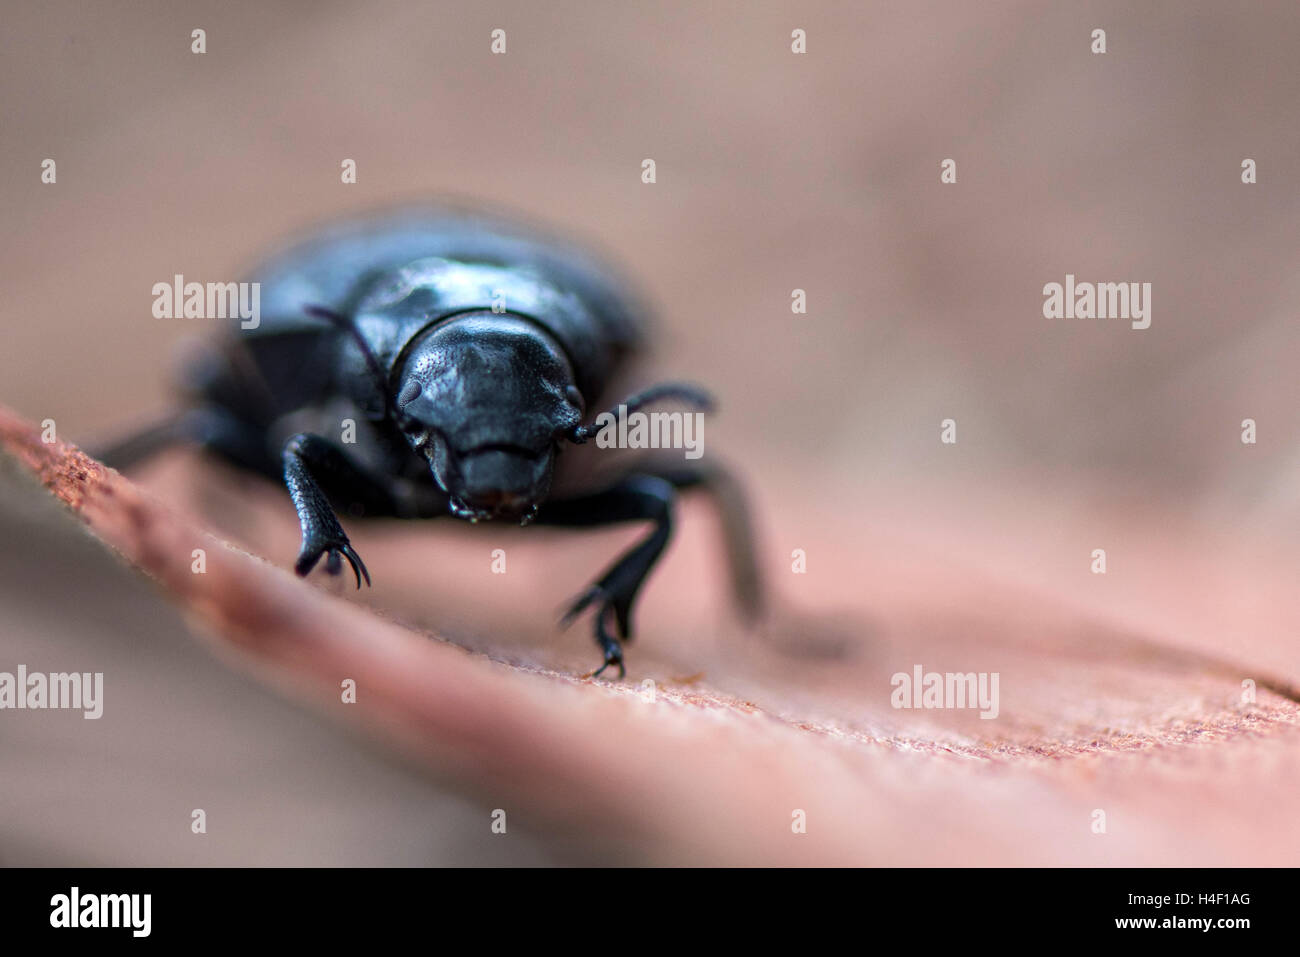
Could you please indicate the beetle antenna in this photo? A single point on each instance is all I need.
(346, 325)
(689, 394)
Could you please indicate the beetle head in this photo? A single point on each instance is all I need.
(486, 399)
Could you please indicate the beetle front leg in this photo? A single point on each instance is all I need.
(637, 497)
(307, 459)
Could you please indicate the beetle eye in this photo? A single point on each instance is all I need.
(575, 398)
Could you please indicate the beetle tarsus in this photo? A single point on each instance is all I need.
(610, 646)
(305, 456)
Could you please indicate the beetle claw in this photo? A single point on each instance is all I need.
(622, 671)
(358, 566)
(333, 562)
(608, 643)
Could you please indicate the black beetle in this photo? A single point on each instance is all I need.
(466, 351)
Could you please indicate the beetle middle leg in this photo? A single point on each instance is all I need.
(729, 501)
(210, 426)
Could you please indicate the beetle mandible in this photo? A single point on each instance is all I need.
(469, 350)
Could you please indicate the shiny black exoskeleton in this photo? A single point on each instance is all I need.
(462, 353)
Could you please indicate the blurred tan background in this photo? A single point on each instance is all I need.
(775, 171)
